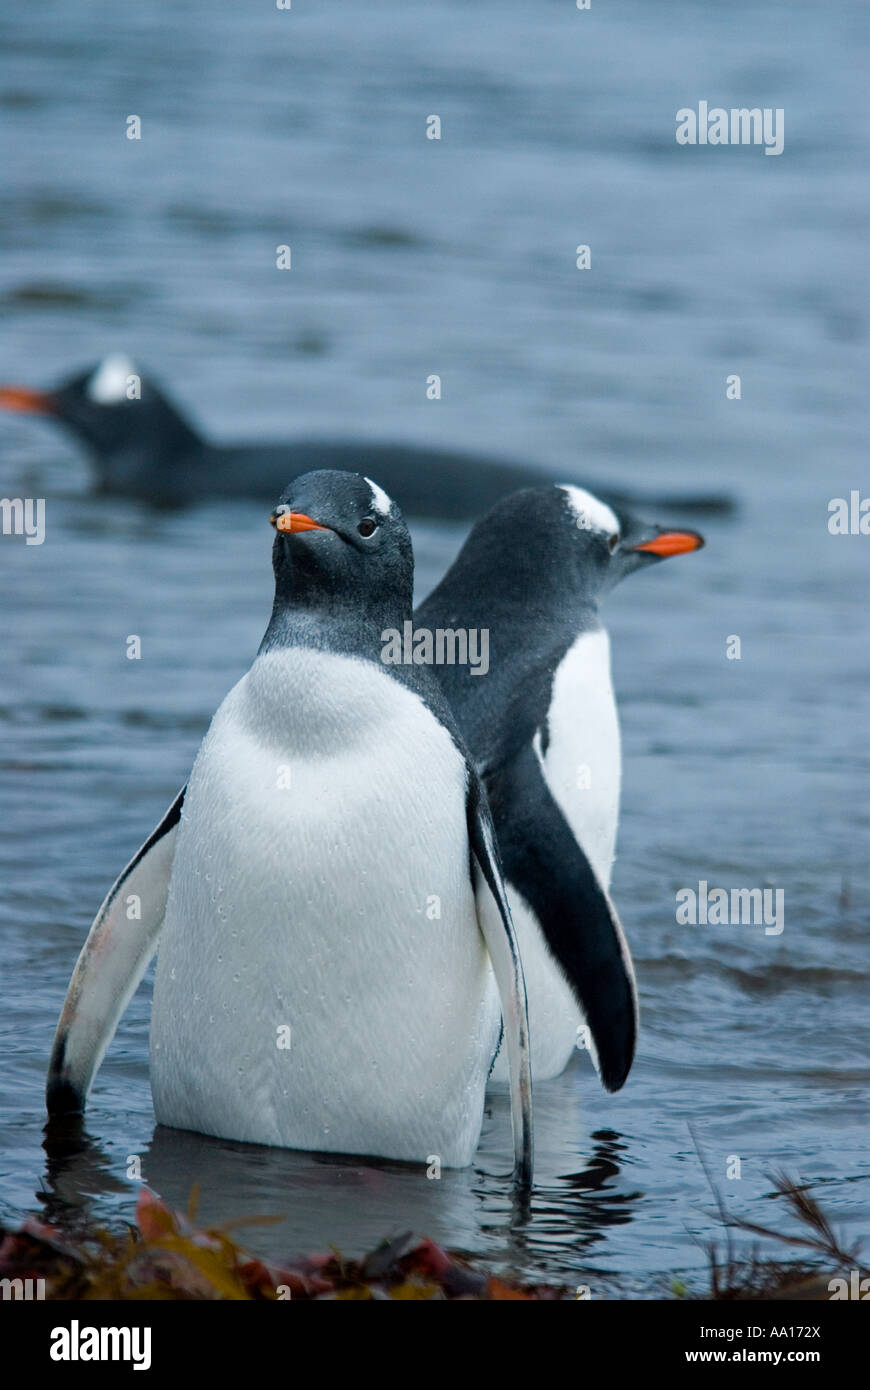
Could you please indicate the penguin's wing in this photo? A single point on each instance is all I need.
(496, 925)
(544, 862)
(111, 964)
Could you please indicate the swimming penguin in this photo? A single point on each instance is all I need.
(543, 728)
(326, 889)
(142, 446)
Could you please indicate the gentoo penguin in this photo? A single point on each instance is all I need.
(543, 728)
(326, 889)
(141, 446)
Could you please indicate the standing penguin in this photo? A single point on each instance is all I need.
(326, 889)
(543, 728)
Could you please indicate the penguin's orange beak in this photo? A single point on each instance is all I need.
(295, 521)
(21, 398)
(672, 543)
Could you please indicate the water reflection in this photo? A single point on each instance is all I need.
(351, 1203)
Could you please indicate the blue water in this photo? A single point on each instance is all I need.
(412, 257)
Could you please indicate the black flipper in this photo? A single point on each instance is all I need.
(113, 960)
(543, 861)
(496, 925)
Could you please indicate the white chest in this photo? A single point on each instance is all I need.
(321, 887)
(582, 765)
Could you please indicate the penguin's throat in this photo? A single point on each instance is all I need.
(344, 628)
(310, 702)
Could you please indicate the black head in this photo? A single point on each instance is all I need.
(342, 551)
(112, 407)
(548, 545)
(607, 544)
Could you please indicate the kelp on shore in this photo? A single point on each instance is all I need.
(166, 1256)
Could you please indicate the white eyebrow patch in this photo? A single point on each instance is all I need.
(589, 510)
(108, 385)
(380, 501)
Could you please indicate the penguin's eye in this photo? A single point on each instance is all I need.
(613, 542)
(367, 526)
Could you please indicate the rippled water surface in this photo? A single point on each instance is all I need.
(412, 257)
